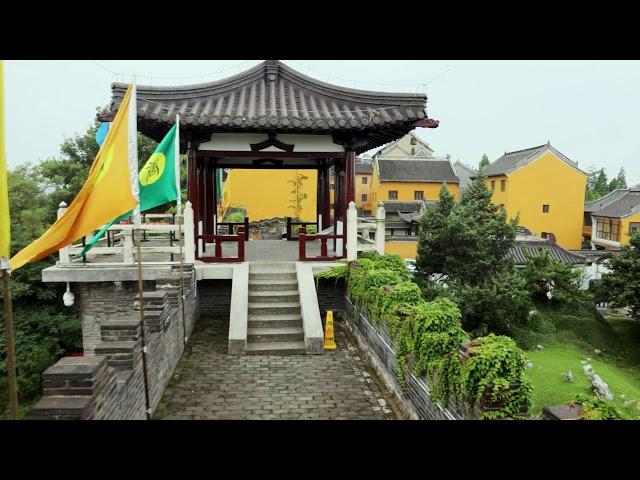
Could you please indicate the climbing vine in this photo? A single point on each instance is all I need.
(428, 336)
(492, 375)
(595, 408)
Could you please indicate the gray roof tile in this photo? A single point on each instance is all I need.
(271, 96)
(416, 170)
(619, 203)
(512, 160)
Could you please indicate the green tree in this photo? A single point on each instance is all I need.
(601, 185)
(622, 178)
(621, 286)
(552, 281)
(436, 243)
(484, 161)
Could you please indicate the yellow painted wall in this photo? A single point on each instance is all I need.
(404, 249)
(624, 237)
(380, 190)
(547, 180)
(499, 196)
(363, 188)
(266, 194)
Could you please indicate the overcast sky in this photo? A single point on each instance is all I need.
(589, 110)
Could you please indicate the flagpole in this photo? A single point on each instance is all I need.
(11, 352)
(5, 266)
(179, 209)
(135, 189)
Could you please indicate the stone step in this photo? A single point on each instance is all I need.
(104, 348)
(274, 296)
(275, 334)
(265, 308)
(61, 407)
(283, 320)
(272, 275)
(276, 348)
(271, 285)
(270, 267)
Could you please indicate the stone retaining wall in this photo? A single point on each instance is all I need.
(330, 296)
(108, 382)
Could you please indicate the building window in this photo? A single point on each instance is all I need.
(493, 185)
(332, 186)
(418, 195)
(333, 205)
(545, 208)
(634, 227)
(364, 180)
(364, 197)
(503, 185)
(367, 212)
(545, 235)
(393, 194)
(608, 229)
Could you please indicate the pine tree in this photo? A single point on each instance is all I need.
(622, 179)
(601, 186)
(484, 161)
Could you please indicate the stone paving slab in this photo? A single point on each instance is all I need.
(208, 384)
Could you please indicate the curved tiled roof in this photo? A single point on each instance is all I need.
(513, 160)
(273, 96)
(619, 203)
(523, 250)
(416, 170)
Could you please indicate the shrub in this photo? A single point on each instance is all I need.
(493, 375)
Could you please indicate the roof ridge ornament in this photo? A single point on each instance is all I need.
(272, 69)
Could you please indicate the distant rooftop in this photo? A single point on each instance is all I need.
(619, 203)
(511, 161)
(416, 170)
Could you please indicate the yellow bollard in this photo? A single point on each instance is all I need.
(329, 342)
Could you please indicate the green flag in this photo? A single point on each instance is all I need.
(157, 181)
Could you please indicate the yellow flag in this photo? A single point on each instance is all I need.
(108, 192)
(5, 233)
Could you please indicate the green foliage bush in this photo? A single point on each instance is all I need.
(493, 375)
(429, 335)
(595, 408)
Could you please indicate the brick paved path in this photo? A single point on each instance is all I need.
(209, 384)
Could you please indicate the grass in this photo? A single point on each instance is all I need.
(549, 385)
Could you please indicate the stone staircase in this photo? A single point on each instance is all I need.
(274, 317)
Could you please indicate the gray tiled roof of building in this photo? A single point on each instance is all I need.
(464, 173)
(513, 160)
(363, 167)
(272, 95)
(414, 206)
(625, 202)
(416, 170)
(525, 249)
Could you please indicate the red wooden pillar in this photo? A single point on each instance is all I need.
(350, 176)
(202, 213)
(214, 200)
(192, 185)
(208, 197)
(325, 202)
(319, 195)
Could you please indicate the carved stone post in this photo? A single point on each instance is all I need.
(352, 232)
(380, 229)
(64, 252)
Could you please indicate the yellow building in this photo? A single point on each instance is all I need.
(408, 146)
(266, 194)
(545, 188)
(414, 178)
(364, 176)
(610, 219)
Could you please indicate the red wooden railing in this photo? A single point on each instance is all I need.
(303, 238)
(234, 231)
(218, 239)
(291, 223)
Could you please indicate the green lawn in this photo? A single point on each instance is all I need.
(549, 385)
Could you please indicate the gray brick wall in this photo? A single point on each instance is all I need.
(108, 382)
(330, 296)
(215, 297)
